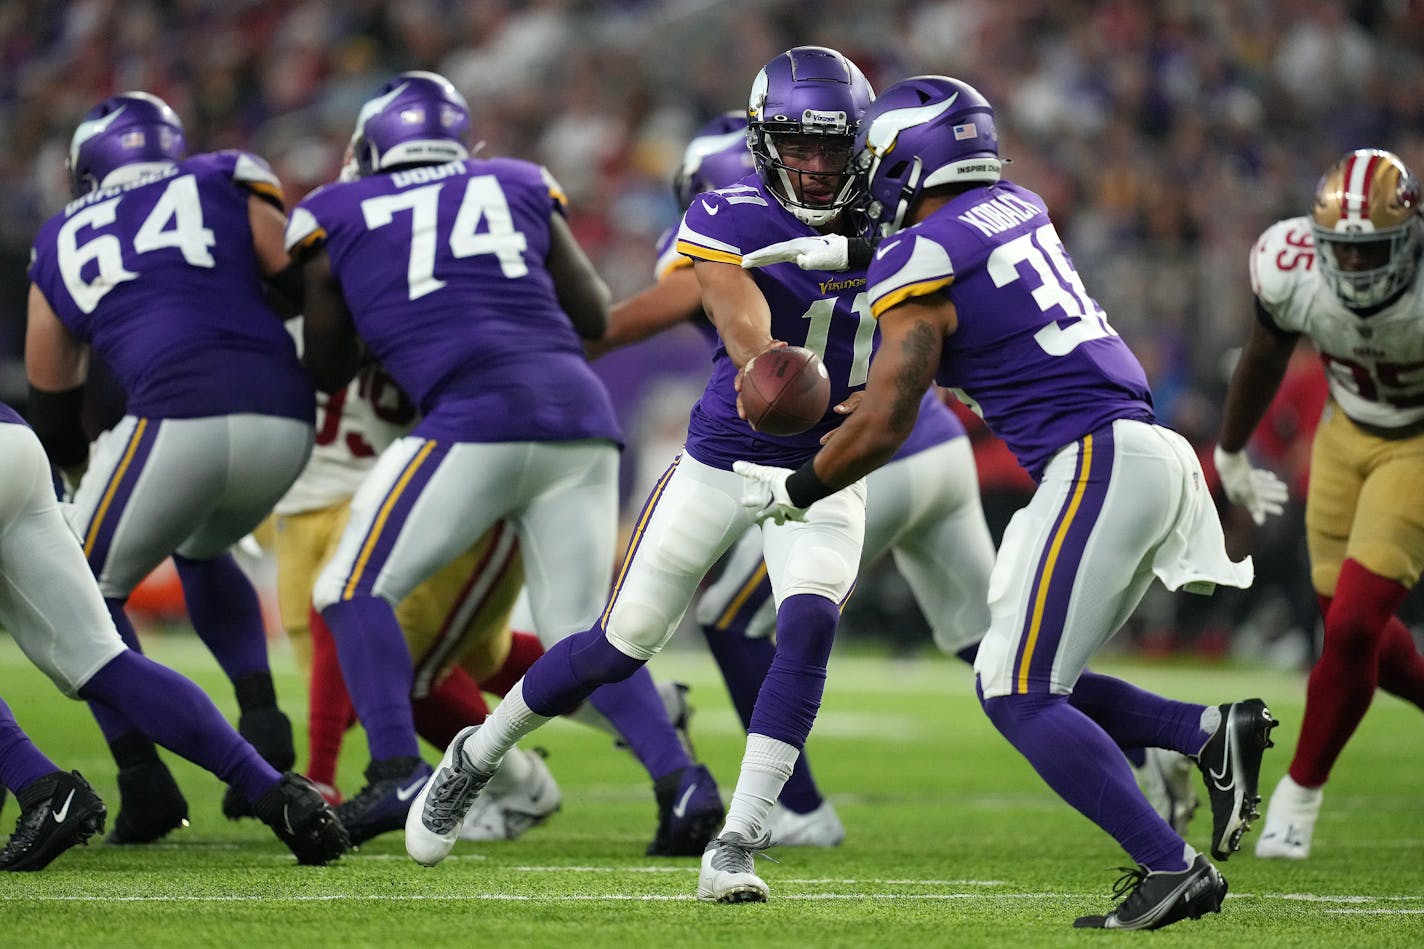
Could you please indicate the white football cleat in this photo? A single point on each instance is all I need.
(819, 828)
(1290, 821)
(510, 806)
(1168, 781)
(727, 872)
(433, 822)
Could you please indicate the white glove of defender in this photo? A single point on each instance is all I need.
(764, 491)
(827, 252)
(1258, 490)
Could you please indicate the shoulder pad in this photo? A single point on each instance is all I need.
(1282, 259)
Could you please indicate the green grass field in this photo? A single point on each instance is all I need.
(953, 841)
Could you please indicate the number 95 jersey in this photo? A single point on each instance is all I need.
(160, 277)
(1033, 352)
(443, 269)
(1375, 363)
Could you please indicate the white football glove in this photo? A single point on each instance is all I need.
(1258, 490)
(764, 491)
(828, 252)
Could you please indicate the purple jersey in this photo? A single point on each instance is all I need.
(1033, 353)
(443, 269)
(10, 416)
(825, 311)
(160, 278)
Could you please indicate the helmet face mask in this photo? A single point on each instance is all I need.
(802, 116)
(716, 157)
(133, 128)
(417, 118)
(1367, 228)
(923, 132)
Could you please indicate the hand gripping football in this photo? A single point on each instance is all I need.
(785, 391)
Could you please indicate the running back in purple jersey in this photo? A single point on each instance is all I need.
(1033, 353)
(159, 276)
(825, 311)
(443, 269)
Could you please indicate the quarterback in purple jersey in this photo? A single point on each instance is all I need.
(802, 116)
(933, 525)
(973, 289)
(51, 605)
(162, 265)
(460, 277)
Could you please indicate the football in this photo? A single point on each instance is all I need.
(785, 391)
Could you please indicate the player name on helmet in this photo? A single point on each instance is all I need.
(836, 120)
(1000, 214)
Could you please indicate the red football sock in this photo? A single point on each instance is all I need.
(524, 649)
(329, 708)
(453, 703)
(1343, 681)
(1401, 667)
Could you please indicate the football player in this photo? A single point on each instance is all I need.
(1346, 278)
(803, 111)
(162, 265)
(51, 604)
(926, 508)
(973, 289)
(461, 278)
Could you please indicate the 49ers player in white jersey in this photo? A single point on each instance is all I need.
(1346, 277)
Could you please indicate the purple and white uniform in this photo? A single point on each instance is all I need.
(1120, 498)
(443, 268)
(159, 276)
(694, 512)
(48, 601)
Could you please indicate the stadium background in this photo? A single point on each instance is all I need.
(1165, 135)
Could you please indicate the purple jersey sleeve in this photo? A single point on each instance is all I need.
(160, 278)
(825, 311)
(443, 267)
(1033, 353)
(10, 416)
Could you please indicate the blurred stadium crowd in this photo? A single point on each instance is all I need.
(1164, 134)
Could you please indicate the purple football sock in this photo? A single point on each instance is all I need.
(226, 613)
(637, 711)
(744, 664)
(788, 701)
(21, 761)
(572, 668)
(112, 721)
(376, 666)
(1080, 762)
(1136, 718)
(179, 716)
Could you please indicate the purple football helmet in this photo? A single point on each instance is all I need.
(127, 129)
(417, 118)
(716, 157)
(807, 91)
(922, 132)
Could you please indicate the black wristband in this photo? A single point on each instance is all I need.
(859, 252)
(58, 420)
(804, 488)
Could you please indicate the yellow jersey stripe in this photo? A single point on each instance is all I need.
(384, 514)
(637, 537)
(114, 481)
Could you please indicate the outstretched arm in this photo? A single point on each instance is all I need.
(674, 299)
(1253, 385)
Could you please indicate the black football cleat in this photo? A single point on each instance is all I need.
(57, 812)
(690, 813)
(381, 806)
(1230, 762)
(301, 819)
(269, 731)
(150, 805)
(1157, 899)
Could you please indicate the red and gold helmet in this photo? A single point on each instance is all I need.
(1367, 227)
